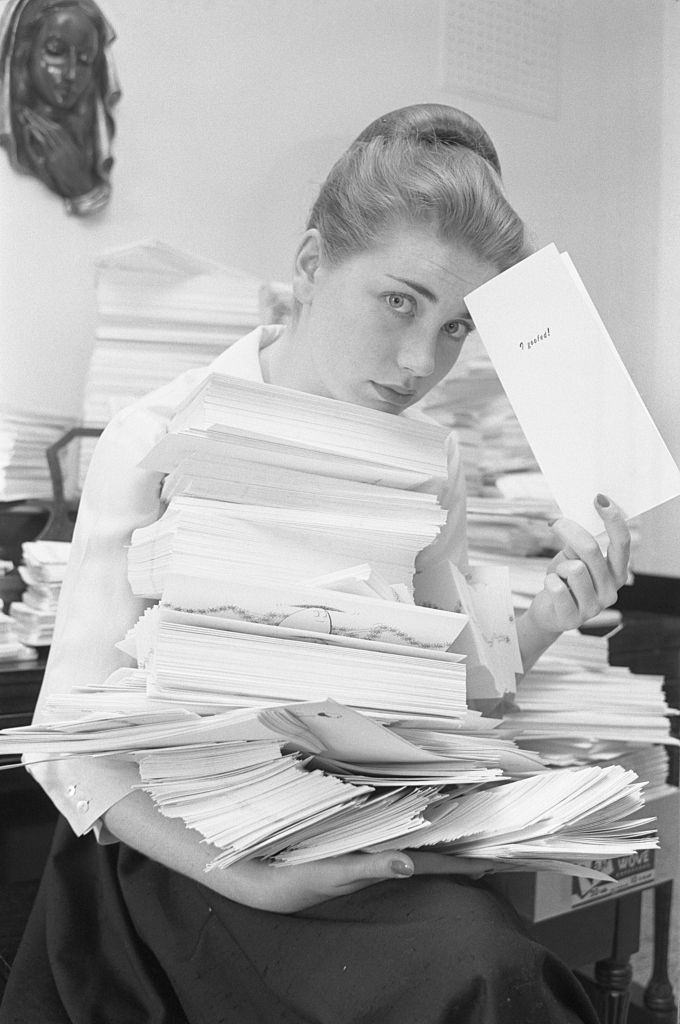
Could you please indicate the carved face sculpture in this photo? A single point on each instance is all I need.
(62, 57)
(58, 86)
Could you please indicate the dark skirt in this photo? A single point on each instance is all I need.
(115, 938)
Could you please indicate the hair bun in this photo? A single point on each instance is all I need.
(434, 123)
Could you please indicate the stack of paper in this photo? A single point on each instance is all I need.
(11, 648)
(510, 527)
(649, 762)
(577, 651)
(509, 504)
(353, 743)
(248, 412)
(470, 401)
(24, 439)
(232, 667)
(245, 795)
(201, 537)
(573, 701)
(234, 778)
(560, 815)
(160, 312)
(270, 485)
(612, 705)
(43, 569)
(261, 639)
(247, 806)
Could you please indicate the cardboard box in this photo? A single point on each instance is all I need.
(541, 895)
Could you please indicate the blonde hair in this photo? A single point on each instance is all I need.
(425, 164)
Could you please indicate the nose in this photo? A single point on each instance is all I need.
(71, 66)
(417, 355)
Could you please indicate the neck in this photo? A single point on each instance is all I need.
(286, 362)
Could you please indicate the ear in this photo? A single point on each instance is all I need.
(307, 262)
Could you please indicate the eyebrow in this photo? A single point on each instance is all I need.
(427, 294)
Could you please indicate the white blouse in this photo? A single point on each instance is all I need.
(97, 607)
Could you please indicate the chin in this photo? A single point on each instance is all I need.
(380, 406)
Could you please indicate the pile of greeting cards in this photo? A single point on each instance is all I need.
(42, 570)
(288, 698)
(160, 311)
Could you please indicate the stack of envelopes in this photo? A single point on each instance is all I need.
(160, 312)
(575, 708)
(287, 487)
(44, 565)
(290, 700)
(25, 436)
(11, 648)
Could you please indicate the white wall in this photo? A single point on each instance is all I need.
(233, 110)
(659, 552)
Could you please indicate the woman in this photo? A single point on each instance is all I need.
(409, 221)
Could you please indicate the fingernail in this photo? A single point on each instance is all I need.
(551, 522)
(401, 868)
(603, 501)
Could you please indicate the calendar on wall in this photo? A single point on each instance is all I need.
(503, 51)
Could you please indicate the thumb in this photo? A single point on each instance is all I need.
(389, 864)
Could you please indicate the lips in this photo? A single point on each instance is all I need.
(394, 395)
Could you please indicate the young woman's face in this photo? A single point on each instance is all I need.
(386, 325)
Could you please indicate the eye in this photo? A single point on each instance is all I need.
(85, 58)
(457, 330)
(399, 303)
(55, 46)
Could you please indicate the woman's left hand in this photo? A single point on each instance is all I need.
(581, 581)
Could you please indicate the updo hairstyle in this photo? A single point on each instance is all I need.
(427, 164)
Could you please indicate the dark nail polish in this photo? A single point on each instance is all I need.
(602, 501)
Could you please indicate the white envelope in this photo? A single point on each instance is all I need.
(574, 399)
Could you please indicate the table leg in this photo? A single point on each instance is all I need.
(658, 998)
(613, 978)
(614, 974)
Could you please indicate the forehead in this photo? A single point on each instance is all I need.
(71, 24)
(420, 253)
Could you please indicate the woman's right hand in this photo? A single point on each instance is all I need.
(287, 889)
(280, 889)
(55, 156)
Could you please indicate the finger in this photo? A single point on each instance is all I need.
(35, 118)
(52, 138)
(42, 129)
(36, 132)
(582, 545)
(29, 116)
(576, 576)
(618, 552)
(564, 605)
(560, 557)
(34, 146)
(364, 868)
(427, 863)
(288, 888)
